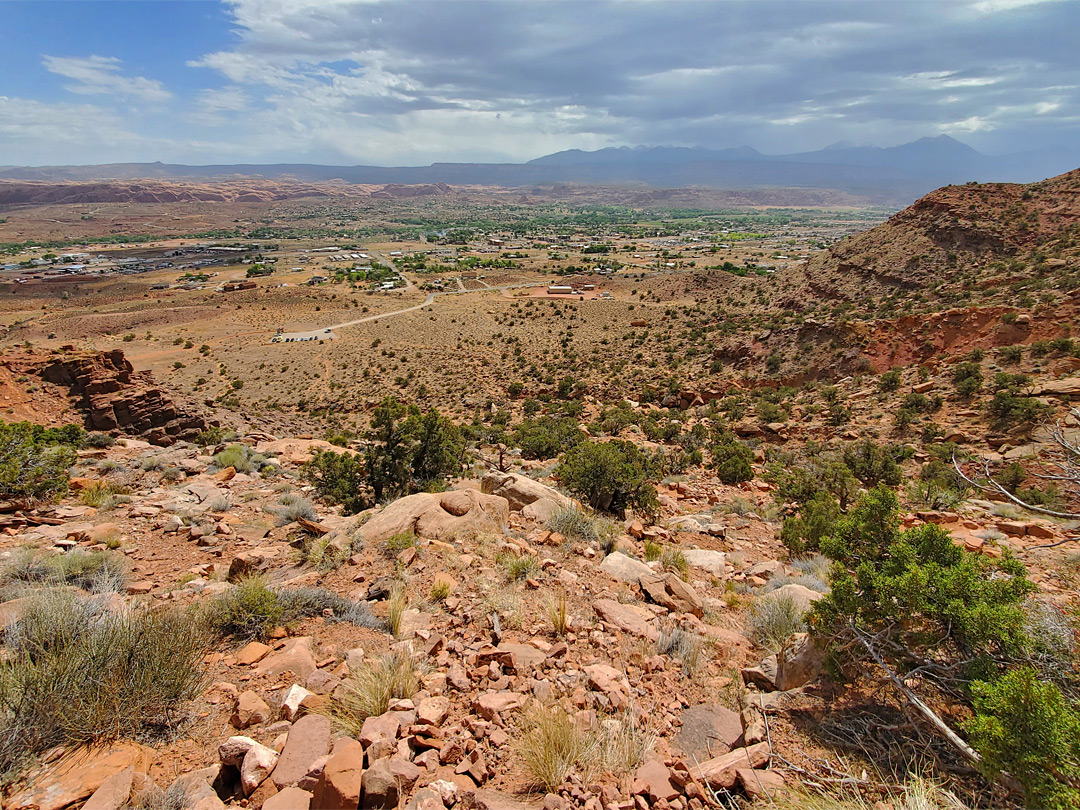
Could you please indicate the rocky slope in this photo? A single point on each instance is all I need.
(954, 237)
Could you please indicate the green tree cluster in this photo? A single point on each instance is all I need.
(610, 476)
(406, 450)
(34, 460)
(913, 601)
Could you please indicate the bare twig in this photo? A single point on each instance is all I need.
(994, 486)
(966, 750)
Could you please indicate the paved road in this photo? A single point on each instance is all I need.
(327, 332)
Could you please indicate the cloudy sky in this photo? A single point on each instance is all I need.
(410, 83)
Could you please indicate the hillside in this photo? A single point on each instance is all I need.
(957, 238)
(892, 175)
(160, 191)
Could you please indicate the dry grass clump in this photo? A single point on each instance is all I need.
(687, 647)
(79, 674)
(552, 745)
(773, 619)
(506, 602)
(558, 614)
(918, 793)
(440, 591)
(673, 560)
(326, 554)
(102, 494)
(396, 606)
(518, 568)
(574, 523)
(369, 691)
(93, 571)
(397, 543)
(292, 506)
(220, 503)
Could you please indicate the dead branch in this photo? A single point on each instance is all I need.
(994, 486)
(969, 753)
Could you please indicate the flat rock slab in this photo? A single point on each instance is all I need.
(308, 740)
(708, 730)
(629, 619)
(77, 776)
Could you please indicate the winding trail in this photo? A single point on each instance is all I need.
(327, 332)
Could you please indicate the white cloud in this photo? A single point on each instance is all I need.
(100, 75)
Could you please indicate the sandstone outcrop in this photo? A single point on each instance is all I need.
(115, 397)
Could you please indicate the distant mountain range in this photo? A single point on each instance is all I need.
(896, 174)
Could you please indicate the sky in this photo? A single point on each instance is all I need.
(411, 83)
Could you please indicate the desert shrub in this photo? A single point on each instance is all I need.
(1009, 410)
(914, 594)
(1026, 727)
(767, 412)
(98, 441)
(816, 519)
(609, 475)
(1011, 354)
(968, 379)
(871, 463)
(731, 458)
(575, 523)
(938, 486)
(652, 550)
(34, 461)
(292, 506)
(212, 436)
(889, 381)
(240, 457)
(773, 619)
(368, 691)
(78, 674)
(802, 480)
(339, 478)
(546, 436)
(251, 608)
(247, 611)
(408, 451)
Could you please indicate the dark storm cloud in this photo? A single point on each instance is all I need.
(786, 76)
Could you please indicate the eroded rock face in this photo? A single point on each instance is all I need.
(116, 397)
